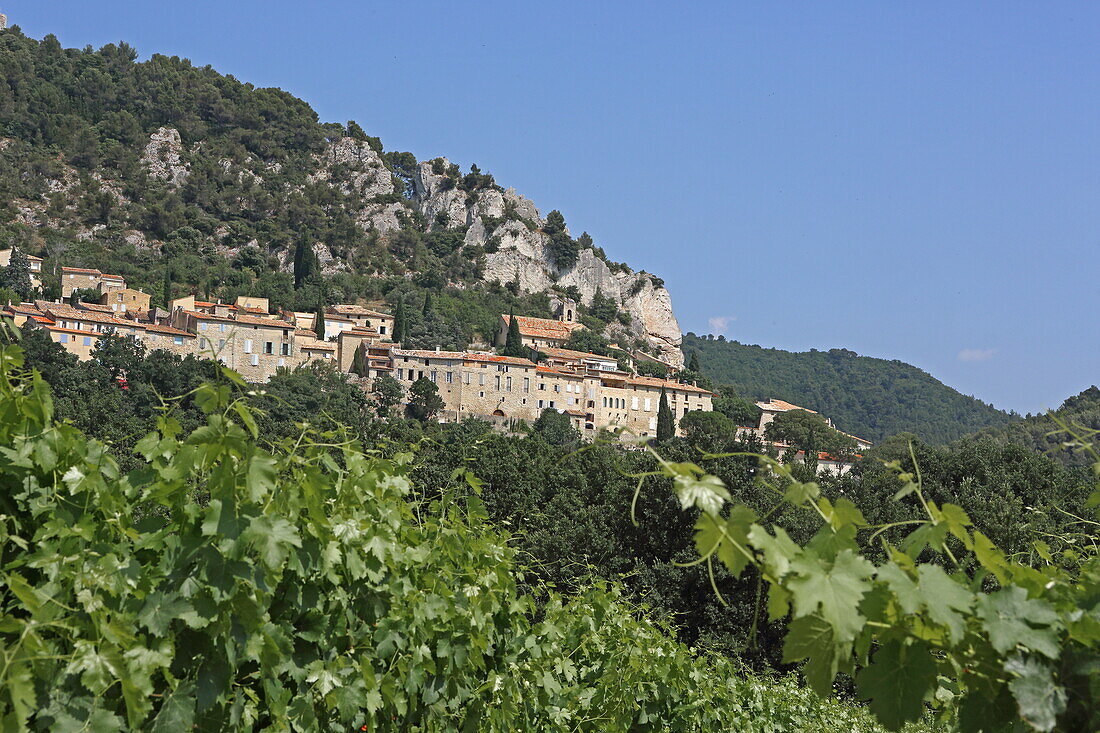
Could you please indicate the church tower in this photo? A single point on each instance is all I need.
(3, 21)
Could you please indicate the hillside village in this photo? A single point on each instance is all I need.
(596, 392)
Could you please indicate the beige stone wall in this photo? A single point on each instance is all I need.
(186, 345)
(252, 350)
(126, 300)
(634, 407)
(80, 343)
(71, 281)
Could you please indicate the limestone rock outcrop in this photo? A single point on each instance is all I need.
(356, 169)
(516, 251)
(163, 156)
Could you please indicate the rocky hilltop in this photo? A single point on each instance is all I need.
(220, 167)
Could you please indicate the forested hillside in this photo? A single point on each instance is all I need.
(187, 181)
(869, 397)
(1044, 433)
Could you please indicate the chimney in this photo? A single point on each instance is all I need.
(437, 349)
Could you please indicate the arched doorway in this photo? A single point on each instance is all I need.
(498, 413)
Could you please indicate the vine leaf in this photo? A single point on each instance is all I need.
(813, 639)
(896, 682)
(1010, 618)
(1039, 700)
(833, 590)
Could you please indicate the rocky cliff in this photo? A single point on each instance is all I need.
(509, 227)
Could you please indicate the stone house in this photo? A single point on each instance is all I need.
(253, 347)
(80, 278)
(126, 300)
(631, 402)
(366, 318)
(538, 332)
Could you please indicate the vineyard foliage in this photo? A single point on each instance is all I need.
(221, 586)
(946, 620)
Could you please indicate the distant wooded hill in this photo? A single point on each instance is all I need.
(869, 397)
(1044, 434)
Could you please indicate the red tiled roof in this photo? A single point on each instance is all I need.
(781, 406)
(357, 310)
(81, 269)
(318, 346)
(667, 384)
(558, 372)
(247, 320)
(570, 354)
(543, 327)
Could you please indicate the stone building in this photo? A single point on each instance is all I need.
(80, 278)
(126, 300)
(366, 318)
(253, 347)
(538, 332)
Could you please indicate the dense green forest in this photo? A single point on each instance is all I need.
(868, 397)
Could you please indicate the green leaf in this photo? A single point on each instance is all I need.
(946, 599)
(1011, 619)
(273, 538)
(737, 531)
(160, 610)
(262, 471)
(905, 591)
(1039, 700)
(20, 688)
(799, 493)
(177, 714)
(813, 639)
(778, 551)
(896, 681)
(707, 493)
(833, 590)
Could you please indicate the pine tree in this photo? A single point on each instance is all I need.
(17, 275)
(666, 421)
(693, 365)
(513, 341)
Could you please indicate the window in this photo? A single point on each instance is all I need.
(221, 327)
(177, 340)
(648, 404)
(202, 343)
(526, 384)
(557, 388)
(634, 403)
(480, 394)
(221, 344)
(467, 377)
(434, 376)
(382, 330)
(450, 377)
(202, 326)
(540, 404)
(286, 349)
(255, 360)
(652, 423)
(269, 347)
(248, 346)
(64, 338)
(400, 373)
(508, 385)
(498, 383)
(87, 340)
(481, 379)
(282, 362)
(551, 404)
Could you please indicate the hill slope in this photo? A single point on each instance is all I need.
(872, 398)
(138, 167)
(1043, 433)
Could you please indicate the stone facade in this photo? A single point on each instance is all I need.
(35, 264)
(79, 278)
(126, 300)
(253, 347)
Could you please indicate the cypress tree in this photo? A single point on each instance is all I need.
(693, 365)
(319, 323)
(359, 361)
(400, 321)
(428, 306)
(167, 284)
(666, 421)
(513, 342)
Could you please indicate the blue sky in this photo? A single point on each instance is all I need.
(916, 181)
